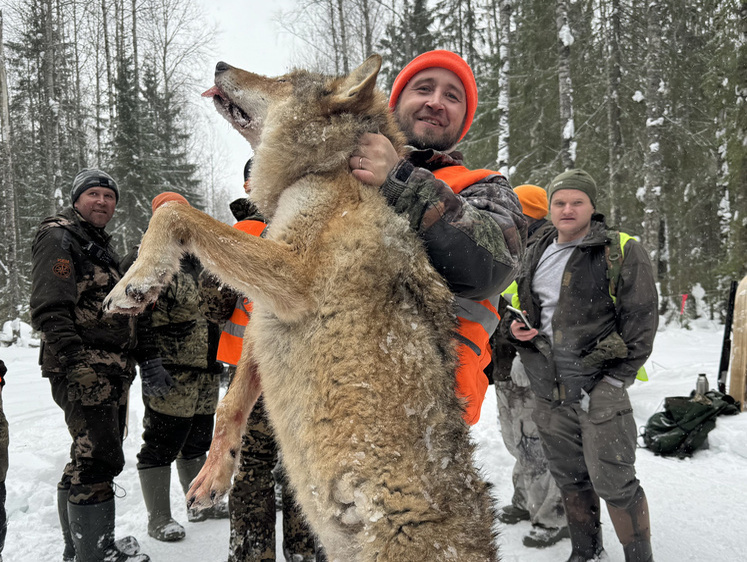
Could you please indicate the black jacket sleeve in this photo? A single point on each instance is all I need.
(637, 311)
(54, 292)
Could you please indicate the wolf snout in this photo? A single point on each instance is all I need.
(222, 67)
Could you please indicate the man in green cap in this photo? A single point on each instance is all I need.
(588, 337)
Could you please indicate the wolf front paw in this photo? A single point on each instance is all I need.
(126, 298)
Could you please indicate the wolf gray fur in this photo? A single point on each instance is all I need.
(351, 338)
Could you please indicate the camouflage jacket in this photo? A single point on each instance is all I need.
(475, 239)
(183, 326)
(73, 269)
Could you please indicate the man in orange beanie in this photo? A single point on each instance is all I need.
(470, 221)
(177, 346)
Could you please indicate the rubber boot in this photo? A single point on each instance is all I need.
(188, 470)
(582, 510)
(633, 528)
(92, 530)
(156, 483)
(68, 555)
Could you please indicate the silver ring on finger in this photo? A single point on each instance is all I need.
(360, 163)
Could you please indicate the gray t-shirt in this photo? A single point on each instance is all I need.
(547, 279)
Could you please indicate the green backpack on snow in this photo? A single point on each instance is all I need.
(683, 426)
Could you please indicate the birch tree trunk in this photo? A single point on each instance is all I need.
(9, 266)
(505, 9)
(739, 182)
(568, 132)
(652, 164)
(135, 62)
(368, 25)
(107, 58)
(343, 37)
(614, 133)
(51, 111)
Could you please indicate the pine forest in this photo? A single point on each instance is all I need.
(648, 96)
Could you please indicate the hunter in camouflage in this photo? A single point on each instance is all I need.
(178, 341)
(86, 356)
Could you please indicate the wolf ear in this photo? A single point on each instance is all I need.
(359, 84)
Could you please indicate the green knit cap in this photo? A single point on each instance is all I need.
(574, 179)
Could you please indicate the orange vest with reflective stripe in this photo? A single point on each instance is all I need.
(232, 338)
(477, 320)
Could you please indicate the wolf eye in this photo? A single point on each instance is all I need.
(282, 80)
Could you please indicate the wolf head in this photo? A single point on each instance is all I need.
(302, 123)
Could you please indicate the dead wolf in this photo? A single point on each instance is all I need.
(351, 337)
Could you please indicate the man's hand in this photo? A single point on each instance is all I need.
(520, 331)
(156, 379)
(82, 381)
(374, 158)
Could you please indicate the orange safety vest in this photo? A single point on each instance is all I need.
(232, 338)
(477, 320)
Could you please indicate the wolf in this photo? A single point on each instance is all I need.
(351, 341)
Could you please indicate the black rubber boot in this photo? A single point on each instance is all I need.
(92, 530)
(582, 510)
(633, 528)
(155, 483)
(188, 470)
(68, 555)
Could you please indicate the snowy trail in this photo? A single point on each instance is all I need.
(698, 505)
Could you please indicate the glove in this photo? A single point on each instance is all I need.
(82, 381)
(156, 379)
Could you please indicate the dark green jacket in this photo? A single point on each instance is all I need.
(73, 269)
(476, 239)
(587, 319)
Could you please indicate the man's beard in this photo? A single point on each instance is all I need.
(425, 142)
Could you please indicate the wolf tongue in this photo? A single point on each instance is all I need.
(214, 91)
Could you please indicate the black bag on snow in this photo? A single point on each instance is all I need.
(683, 426)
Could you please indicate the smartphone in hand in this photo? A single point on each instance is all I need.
(521, 316)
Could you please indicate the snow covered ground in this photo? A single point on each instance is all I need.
(698, 506)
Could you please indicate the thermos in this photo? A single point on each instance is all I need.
(701, 387)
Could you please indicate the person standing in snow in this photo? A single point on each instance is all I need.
(4, 441)
(536, 496)
(252, 497)
(86, 355)
(589, 337)
(470, 221)
(177, 345)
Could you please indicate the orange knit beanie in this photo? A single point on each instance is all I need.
(167, 196)
(533, 200)
(440, 59)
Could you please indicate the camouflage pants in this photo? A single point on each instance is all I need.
(180, 423)
(96, 455)
(534, 487)
(252, 502)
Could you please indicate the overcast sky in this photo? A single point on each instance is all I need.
(249, 37)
